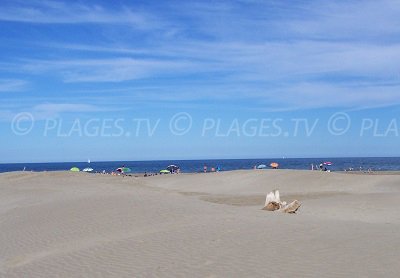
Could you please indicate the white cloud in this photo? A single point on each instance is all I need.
(55, 108)
(308, 54)
(279, 20)
(317, 95)
(45, 110)
(103, 70)
(52, 12)
(12, 85)
(306, 74)
(262, 62)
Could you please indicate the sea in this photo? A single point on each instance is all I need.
(194, 166)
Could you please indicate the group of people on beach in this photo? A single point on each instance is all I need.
(213, 169)
(351, 169)
(321, 167)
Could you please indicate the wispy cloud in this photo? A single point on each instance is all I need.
(308, 54)
(47, 110)
(12, 85)
(276, 20)
(265, 62)
(52, 12)
(291, 71)
(103, 70)
(56, 108)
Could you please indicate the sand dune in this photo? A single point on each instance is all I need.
(61, 224)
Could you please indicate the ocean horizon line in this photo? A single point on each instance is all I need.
(200, 159)
(198, 165)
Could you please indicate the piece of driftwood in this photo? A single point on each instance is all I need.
(292, 207)
(273, 202)
(271, 206)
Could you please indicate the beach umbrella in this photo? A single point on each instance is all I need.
(274, 165)
(261, 166)
(74, 169)
(87, 169)
(164, 171)
(124, 170)
(172, 167)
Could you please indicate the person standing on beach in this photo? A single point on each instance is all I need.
(205, 168)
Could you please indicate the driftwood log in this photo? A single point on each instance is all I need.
(273, 202)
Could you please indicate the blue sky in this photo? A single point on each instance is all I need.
(80, 66)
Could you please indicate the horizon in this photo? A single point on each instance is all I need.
(203, 159)
(154, 80)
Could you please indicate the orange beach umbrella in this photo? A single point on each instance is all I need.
(274, 165)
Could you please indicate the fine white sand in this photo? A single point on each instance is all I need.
(62, 224)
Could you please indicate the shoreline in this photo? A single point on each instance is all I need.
(196, 166)
(140, 174)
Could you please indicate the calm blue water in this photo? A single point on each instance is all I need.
(339, 164)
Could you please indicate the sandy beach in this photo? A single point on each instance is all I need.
(62, 224)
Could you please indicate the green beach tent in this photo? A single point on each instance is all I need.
(74, 169)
